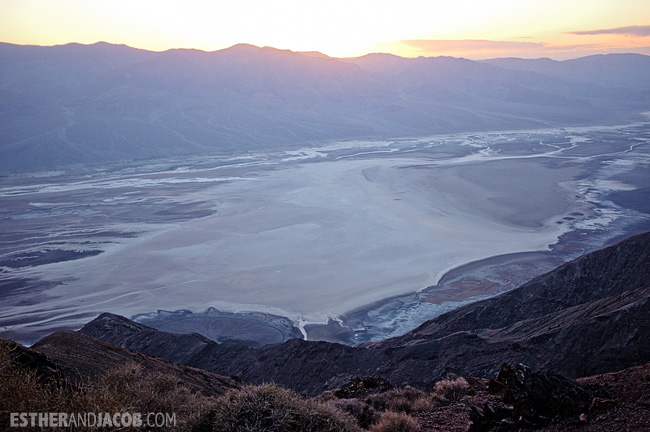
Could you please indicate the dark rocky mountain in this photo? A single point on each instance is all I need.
(122, 332)
(311, 367)
(590, 316)
(609, 273)
(80, 357)
(100, 103)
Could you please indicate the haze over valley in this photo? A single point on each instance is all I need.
(107, 103)
(305, 196)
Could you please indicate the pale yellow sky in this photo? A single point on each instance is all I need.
(467, 28)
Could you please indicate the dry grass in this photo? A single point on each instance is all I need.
(452, 389)
(270, 408)
(364, 414)
(155, 392)
(130, 388)
(395, 422)
(127, 388)
(405, 400)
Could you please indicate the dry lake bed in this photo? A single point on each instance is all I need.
(351, 241)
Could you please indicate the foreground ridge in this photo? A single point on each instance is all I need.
(518, 398)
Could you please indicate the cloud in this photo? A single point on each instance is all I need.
(470, 45)
(641, 31)
(478, 49)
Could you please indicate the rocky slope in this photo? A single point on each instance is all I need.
(579, 319)
(518, 398)
(79, 357)
(617, 401)
(589, 316)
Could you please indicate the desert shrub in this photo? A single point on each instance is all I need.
(395, 422)
(271, 408)
(425, 404)
(23, 389)
(452, 389)
(148, 391)
(154, 392)
(364, 414)
(405, 400)
(127, 388)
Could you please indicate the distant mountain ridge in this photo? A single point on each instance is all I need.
(590, 316)
(99, 103)
(623, 70)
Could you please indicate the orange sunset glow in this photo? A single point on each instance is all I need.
(473, 29)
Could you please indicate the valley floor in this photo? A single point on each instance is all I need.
(350, 242)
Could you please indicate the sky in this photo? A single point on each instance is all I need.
(475, 29)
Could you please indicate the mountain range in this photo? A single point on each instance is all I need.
(103, 103)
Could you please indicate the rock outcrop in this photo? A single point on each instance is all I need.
(532, 399)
